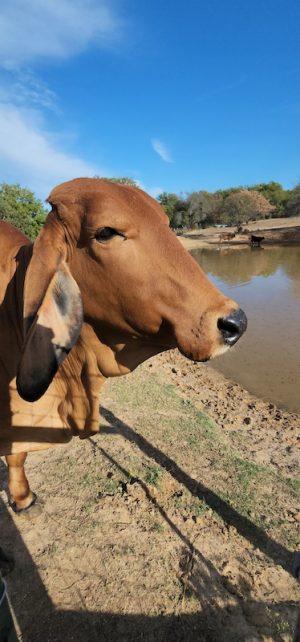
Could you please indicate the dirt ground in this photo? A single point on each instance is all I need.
(276, 231)
(178, 522)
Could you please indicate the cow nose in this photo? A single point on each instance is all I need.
(233, 326)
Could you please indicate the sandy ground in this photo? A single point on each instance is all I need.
(177, 523)
(277, 231)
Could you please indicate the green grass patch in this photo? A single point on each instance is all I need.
(153, 475)
(294, 483)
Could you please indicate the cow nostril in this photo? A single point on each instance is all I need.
(233, 326)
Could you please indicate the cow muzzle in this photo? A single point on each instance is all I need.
(213, 335)
(232, 326)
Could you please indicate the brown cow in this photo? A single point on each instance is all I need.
(226, 236)
(107, 278)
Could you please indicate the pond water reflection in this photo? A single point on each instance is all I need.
(266, 284)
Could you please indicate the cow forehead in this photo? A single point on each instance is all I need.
(100, 196)
(117, 210)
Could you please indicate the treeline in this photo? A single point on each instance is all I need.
(20, 207)
(234, 206)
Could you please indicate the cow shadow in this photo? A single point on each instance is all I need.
(244, 526)
(39, 620)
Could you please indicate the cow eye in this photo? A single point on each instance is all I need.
(105, 234)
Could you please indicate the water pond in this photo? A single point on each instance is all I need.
(266, 284)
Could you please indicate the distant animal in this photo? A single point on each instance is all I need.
(226, 236)
(256, 240)
(105, 286)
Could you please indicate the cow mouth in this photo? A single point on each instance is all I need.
(193, 355)
(198, 356)
(226, 332)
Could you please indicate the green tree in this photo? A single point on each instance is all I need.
(223, 193)
(123, 180)
(275, 194)
(293, 204)
(20, 207)
(203, 208)
(168, 201)
(245, 205)
(175, 208)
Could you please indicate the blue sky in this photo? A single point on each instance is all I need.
(178, 95)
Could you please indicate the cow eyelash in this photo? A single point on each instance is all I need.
(106, 233)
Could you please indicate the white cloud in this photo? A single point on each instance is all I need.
(23, 87)
(32, 29)
(161, 150)
(31, 156)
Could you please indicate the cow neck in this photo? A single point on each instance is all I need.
(117, 353)
(78, 383)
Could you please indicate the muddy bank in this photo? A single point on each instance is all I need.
(265, 433)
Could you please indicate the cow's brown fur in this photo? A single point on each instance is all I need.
(226, 236)
(141, 294)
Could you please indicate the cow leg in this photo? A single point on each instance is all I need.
(21, 497)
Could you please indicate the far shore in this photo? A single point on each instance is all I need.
(276, 231)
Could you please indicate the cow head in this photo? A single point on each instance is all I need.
(107, 256)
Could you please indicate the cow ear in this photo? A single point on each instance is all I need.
(51, 336)
(52, 312)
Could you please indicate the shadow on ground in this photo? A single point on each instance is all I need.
(243, 525)
(41, 621)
